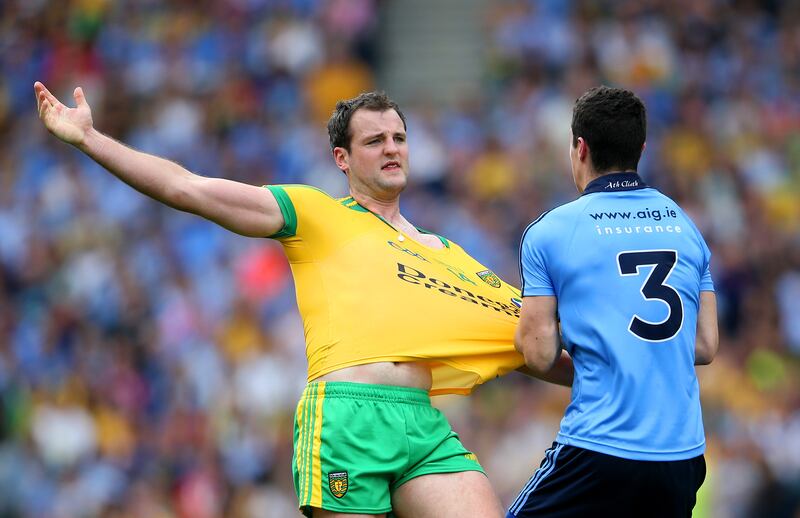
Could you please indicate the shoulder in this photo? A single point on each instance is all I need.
(302, 198)
(303, 207)
(554, 221)
(297, 191)
(533, 225)
(683, 213)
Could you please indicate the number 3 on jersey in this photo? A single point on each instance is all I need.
(654, 288)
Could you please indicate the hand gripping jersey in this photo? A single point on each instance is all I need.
(369, 293)
(626, 266)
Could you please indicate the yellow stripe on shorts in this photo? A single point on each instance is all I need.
(309, 465)
(316, 471)
(299, 458)
(307, 444)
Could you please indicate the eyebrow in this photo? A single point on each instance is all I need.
(380, 135)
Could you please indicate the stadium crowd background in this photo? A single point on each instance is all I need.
(150, 362)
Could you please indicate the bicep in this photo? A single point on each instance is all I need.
(707, 339)
(242, 208)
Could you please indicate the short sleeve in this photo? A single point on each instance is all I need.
(287, 210)
(310, 219)
(536, 280)
(300, 206)
(706, 283)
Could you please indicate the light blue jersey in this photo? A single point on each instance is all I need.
(626, 266)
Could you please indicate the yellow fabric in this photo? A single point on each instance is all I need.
(300, 449)
(308, 445)
(316, 464)
(368, 293)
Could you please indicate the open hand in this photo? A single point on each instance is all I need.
(69, 124)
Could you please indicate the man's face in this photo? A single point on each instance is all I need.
(377, 163)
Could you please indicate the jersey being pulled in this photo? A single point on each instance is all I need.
(626, 266)
(369, 293)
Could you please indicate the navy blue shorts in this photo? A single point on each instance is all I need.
(574, 482)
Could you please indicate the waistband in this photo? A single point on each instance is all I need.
(366, 391)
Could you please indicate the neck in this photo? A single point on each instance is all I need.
(591, 175)
(387, 209)
(584, 177)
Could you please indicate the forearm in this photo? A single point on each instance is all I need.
(245, 209)
(560, 373)
(156, 177)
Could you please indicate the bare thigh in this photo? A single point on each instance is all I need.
(467, 494)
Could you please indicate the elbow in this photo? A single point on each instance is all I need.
(538, 361)
(539, 351)
(704, 360)
(183, 192)
(538, 366)
(178, 199)
(706, 351)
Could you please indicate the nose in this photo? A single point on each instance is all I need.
(390, 147)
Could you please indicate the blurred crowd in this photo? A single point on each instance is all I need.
(150, 362)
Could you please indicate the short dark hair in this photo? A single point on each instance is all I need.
(339, 123)
(613, 121)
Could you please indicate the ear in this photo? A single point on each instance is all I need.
(583, 149)
(342, 159)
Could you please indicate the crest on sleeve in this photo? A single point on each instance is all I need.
(338, 483)
(489, 278)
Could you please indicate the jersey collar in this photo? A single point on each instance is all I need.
(612, 182)
(352, 204)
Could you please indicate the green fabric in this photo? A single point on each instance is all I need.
(444, 241)
(380, 437)
(287, 209)
(352, 204)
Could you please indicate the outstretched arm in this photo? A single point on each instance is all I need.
(241, 208)
(537, 339)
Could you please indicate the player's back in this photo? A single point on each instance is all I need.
(626, 266)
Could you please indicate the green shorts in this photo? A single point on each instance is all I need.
(355, 443)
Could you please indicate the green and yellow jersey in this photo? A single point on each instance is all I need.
(369, 293)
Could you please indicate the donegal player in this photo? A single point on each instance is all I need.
(391, 313)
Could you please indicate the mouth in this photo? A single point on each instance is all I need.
(390, 166)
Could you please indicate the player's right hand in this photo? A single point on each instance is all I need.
(69, 124)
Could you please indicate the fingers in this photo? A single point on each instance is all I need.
(43, 93)
(44, 106)
(41, 90)
(45, 101)
(80, 99)
(37, 89)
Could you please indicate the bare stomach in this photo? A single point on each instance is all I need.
(400, 374)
